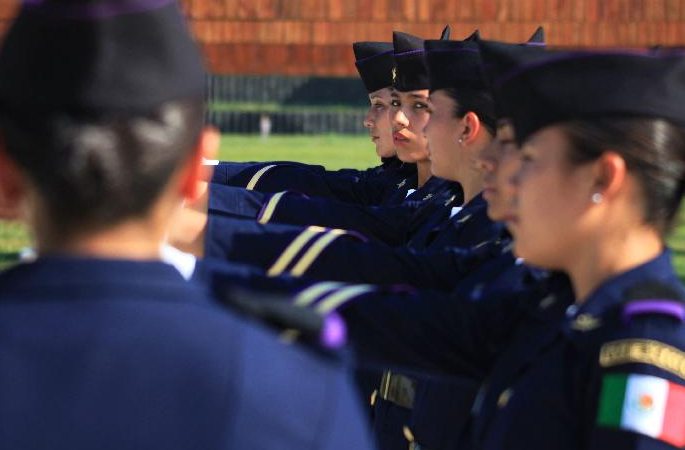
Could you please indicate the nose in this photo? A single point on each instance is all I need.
(486, 159)
(398, 119)
(368, 120)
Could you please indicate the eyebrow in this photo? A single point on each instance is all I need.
(419, 96)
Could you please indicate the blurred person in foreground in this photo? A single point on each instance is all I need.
(103, 345)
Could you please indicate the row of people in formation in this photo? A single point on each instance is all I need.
(450, 233)
(503, 284)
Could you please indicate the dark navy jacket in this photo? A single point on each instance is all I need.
(435, 258)
(389, 224)
(445, 252)
(373, 186)
(631, 325)
(122, 354)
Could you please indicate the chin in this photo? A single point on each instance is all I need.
(534, 256)
(494, 214)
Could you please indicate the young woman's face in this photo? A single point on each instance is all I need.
(442, 132)
(377, 121)
(547, 221)
(499, 163)
(408, 116)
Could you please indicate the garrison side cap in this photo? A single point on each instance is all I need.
(98, 56)
(454, 64)
(410, 72)
(498, 58)
(562, 86)
(374, 62)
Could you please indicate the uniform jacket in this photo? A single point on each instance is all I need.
(372, 186)
(115, 354)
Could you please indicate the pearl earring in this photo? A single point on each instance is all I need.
(597, 198)
(460, 140)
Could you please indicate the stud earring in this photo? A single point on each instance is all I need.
(597, 198)
(460, 140)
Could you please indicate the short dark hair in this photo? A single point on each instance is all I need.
(476, 100)
(93, 171)
(654, 151)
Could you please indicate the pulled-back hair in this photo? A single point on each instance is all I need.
(476, 100)
(654, 151)
(94, 171)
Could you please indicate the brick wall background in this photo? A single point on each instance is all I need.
(313, 37)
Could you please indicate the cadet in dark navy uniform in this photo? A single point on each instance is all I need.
(600, 184)
(374, 186)
(103, 345)
(436, 244)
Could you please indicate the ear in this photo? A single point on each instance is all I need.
(610, 174)
(12, 186)
(472, 127)
(196, 172)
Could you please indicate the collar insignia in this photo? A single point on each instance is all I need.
(547, 302)
(586, 322)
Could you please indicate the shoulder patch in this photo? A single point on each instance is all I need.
(643, 404)
(643, 351)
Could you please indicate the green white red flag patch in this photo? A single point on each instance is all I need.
(643, 404)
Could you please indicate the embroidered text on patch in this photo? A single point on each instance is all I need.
(644, 351)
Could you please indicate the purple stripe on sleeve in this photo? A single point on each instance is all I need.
(671, 308)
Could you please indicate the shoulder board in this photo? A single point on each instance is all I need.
(651, 297)
(662, 307)
(294, 322)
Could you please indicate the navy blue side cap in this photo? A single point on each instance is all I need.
(374, 62)
(562, 86)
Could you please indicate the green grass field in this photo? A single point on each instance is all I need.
(332, 151)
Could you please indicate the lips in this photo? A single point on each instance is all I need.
(399, 138)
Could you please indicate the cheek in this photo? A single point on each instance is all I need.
(417, 122)
(546, 222)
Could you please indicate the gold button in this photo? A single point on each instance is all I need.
(504, 398)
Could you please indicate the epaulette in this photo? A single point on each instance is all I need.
(653, 298)
(292, 322)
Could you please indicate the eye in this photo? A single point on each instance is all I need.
(526, 157)
(420, 105)
(395, 103)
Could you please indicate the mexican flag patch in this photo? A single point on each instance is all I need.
(644, 404)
